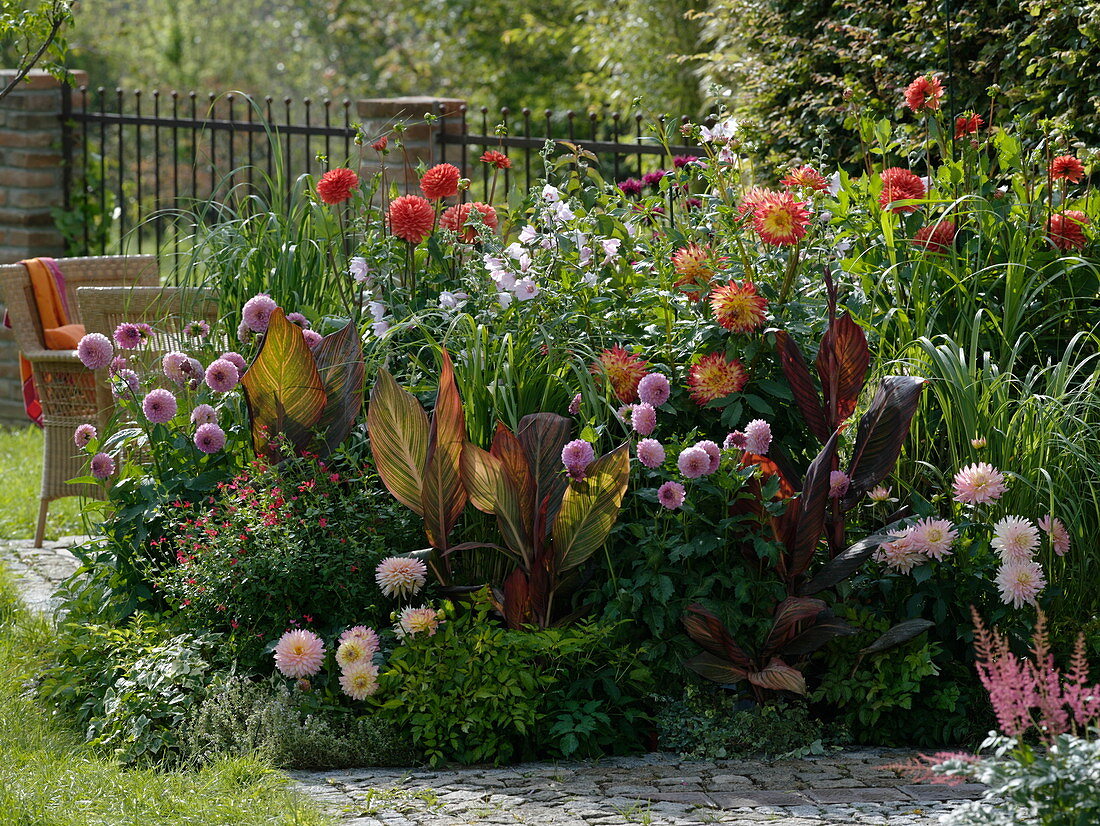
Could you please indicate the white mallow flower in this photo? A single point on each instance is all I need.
(725, 155)
(514, 250)
(551, 194)
(451, 301)
(610, 249)
(504, 279)
(528, 234)
(524, 262)
(377, 310)
(505, 299)
(357, 268)
(493, 263)
(586, 256)
(842, 247)
(380, 327)
(719, 132)
(526, 289)
(547, 243)
(590, 279)
(579, 239)
(631, 228)
(562, 211)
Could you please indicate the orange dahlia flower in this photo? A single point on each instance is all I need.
(623, 370)
(497, 159)
(967, 125)
(1067, 168)
(779, 219)
(457, 217)
(411, 218)
(738, 307)
(441, 181)
(937, 237)
(713, 377)
(924, 93)
(694, 266)
(805, 176)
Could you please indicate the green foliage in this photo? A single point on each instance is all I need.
(709, 724)
(128, 687)
(32, 33)
(240, 717)
(475, 692)
(294, 543)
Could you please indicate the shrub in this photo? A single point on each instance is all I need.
(295, 543)
(289, 729)
(709, 724)
(476, 692)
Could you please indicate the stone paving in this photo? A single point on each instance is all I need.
(657, 789)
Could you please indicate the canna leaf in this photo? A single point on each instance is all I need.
(398, 428)
(492, 490)
(507, 448)
(283, 390)
(788, 614)
(339, 359)
(825, 629)
(710, 634)
(811, 514)
(881, 433)
(842, 361)
(802, 384)
(844, 564)
(899, 634)
(442, 495)
(543, 435)
(716, 669)
(778, 676)
(589, 509)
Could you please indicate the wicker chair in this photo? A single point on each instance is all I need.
(166, 309)
(65, 388)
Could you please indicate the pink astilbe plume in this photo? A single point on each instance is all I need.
(1033, 693)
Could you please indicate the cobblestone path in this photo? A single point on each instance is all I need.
(654, 789)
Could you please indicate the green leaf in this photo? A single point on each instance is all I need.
(589, 509)
(398, 428)
(283, 390)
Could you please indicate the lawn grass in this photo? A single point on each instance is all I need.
(20, 477)
(50, 777)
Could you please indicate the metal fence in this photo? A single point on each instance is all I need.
(134, 162)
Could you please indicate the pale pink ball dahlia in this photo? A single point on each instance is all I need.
(651, 453)
(577, 456)
(83, 434)
(176, 366)
(95, 351)
(299, 653)
(256, 314)
(758, 437)
(714, 454)
(237, 360)
(103, 466)
(671, 495)
(159, 406)
(643, 418)
(693, 462)
(222, 376)
(736, 440)
(838, 483)
(400, 576)
(204, 414)
(209, 438)
(654, 389)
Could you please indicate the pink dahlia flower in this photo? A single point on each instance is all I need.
(129, 336)
(176, 366)
(359, 680)
(125, 381)
(1056, 530)
(222, 376)
(103, 466)
(577, 456)
(256, 314)
(714, 454)
(83, 434)
(299, 319)
(312, 337)
(979, 484)
(575, 405)
(1015, 539)
(650, 453)
(758, 437)
(299, 653)
(400, 576)
(736, 440)
(1020, 583)
(900, 555)
(413, 621)
(671, 495)
(159, 406)
(838, 483)
(654, 389)
(209, 438)
(354, 650)
(933, 537)
(693, 462)
(368, 636)
(237, 360)
(643, 418)
(95, 351)
(204, 414)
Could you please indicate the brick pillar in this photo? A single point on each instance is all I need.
(30, 185)
(419, 138)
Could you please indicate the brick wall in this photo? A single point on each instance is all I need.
(30, 186)
(378, 116)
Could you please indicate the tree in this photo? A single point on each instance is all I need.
(31, 34)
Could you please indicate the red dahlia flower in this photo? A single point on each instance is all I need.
(1067, 168)
(805, 176)
(497, 159)
(336, 185)
(1067, 229)
(411, 218)
(441, 181)
(900, 185)
(457, 217)
(937, 237)
(967, 125)
(924, 93)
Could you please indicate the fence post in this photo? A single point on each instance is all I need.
(419, 138)
(32, 177)
(31, 183)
